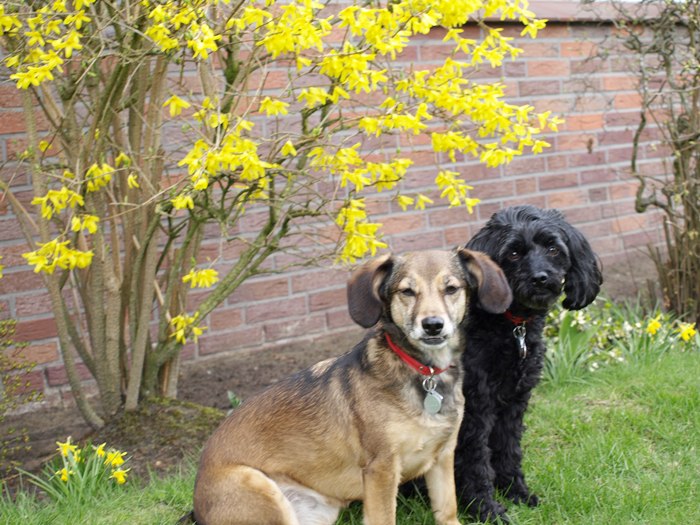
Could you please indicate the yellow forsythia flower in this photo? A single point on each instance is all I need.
(404, 201)
(133, 181)
(201, 278)
(273, 107)
(181, 324)
(122, 160)
(175, 105)
(182, 201)
(288, 149)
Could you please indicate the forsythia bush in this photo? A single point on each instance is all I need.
(166, 116)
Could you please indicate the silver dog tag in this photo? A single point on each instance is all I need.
(519, 332)
(433, 400)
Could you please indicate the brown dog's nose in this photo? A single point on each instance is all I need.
(432, 325)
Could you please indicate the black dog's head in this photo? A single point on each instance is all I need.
(541, 255)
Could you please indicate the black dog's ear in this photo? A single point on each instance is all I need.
(487, 277)
(488, 239)
(364, 299)
(584, 278)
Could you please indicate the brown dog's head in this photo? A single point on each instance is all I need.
(425, 294)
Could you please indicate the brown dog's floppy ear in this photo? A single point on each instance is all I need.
(487, 277)
(364, 301)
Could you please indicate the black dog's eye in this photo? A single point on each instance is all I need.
(407, 292)
(451, 290)
(514, 255)
(553, 251)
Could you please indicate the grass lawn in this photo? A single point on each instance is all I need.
(617, 446)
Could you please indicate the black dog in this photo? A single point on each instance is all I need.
(542, 256)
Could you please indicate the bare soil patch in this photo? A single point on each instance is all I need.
(162, 433)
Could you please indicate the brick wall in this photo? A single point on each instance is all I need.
(584, 173)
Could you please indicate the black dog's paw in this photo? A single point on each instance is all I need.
(531, 500)
(488, 511)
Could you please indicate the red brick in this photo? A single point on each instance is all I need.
(458, 235)
(538, 48)
(598, 195)
(311, 280)
(280, 309)
(620, 83)
(628, 119)
(587, 103)
(526, 165)
(554, 30)
(255, 290)
(566, 199)
(247, 337)
(435, 52)
(598, 175)
(526, 186)
(35, 330)
(57, 376)
(321, 301)
(491, 190)
(579, 48)
(593, 121)
(548, 68)
(225, 319)
(627, 101)
(639, 239)
(406, 243)
(592, 158)
(630, 223)
(578, 141)
(303, 326)
(37, 353)
(29, 382)
(514, 70)
(623, 190)
(441, 217)
(536, 88)
(558, 181)
(10, 96)
(557, 162)
(403, 222)
(337, 319)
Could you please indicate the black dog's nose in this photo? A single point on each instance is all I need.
(540, 278)
(432, 325)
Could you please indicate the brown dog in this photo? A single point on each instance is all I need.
(356, 426)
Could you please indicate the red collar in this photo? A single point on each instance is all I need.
(516, 319)
(412, 362)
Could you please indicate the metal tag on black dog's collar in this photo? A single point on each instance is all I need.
(433, 400)
(519, 332)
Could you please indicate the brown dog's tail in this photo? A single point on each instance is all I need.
(187, 519)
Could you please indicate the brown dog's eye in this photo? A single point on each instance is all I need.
(451, 290)
(407, 292)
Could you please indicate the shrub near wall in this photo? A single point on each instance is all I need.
(584, 173)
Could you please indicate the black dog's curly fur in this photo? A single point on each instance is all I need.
(542, 256)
